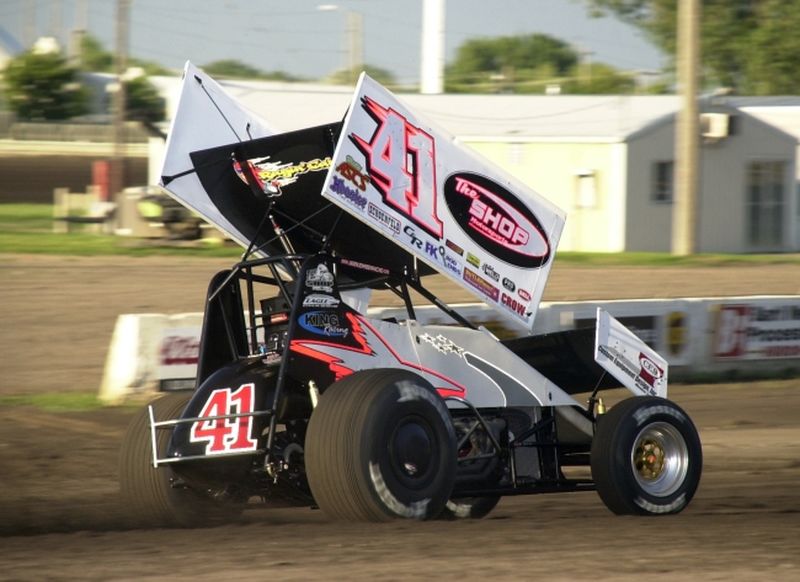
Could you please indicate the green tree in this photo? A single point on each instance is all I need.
(142, 101)
(529, 64)
(233, 69)
(94, 57)
(748, 45)
(597, 79)
(508, 60)
(349, 77)
(42, 86)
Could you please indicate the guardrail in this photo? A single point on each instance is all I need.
(700, 337)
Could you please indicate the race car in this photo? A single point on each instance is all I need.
(304, 397)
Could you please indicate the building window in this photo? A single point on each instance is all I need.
(663, 181)
(586, 189)
(765, 206)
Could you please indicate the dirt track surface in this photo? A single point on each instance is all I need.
(60, 517)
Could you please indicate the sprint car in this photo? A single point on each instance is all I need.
(304, 397)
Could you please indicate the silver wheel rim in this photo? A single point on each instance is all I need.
(659, 459)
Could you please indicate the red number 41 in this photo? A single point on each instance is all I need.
(226, 435)
(402, 166)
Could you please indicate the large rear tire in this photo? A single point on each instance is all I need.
(646, 457)
(469, 507)
(381, 445)
(154, 496)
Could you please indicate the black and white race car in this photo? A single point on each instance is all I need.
(303, 398)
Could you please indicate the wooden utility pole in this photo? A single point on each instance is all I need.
(687, 143)
(117, 170)
(355, 44)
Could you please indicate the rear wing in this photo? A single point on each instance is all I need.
(441, 202)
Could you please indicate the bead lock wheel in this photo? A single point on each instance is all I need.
(660, 459)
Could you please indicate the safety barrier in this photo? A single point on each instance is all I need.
(702, 337)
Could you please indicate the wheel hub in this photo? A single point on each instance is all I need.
(412, 449)
(660, 459)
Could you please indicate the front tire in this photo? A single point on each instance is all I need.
(381, 445)
(646, 457)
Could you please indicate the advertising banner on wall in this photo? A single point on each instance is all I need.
(758, 330)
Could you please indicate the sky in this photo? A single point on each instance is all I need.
(297, 37)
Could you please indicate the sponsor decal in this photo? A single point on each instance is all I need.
(401, 164)
(509, 285)
(351, 195)
(452, 265)
(350, 170)
(179, 350)
(383, 218)
(454, 247)
(320, 279)
(412, 235)
(271, 176)
(512, 304)
(442, 344)
(437, 253)
(496, 220)
(473, 260)
(364, 267)
(650, 372)
(481, 284)
(677, 332)
(757, 331)
(629, 369)
(318, 300)
(491, 273)
(323, 323)
(524, 294)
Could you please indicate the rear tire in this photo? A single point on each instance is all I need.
(381, 445)
(646, 457)
(469, 507)
(148, 493)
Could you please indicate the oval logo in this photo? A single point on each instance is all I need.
(650, 367)
(496, 220)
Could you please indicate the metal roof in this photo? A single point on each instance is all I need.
(561, 118)
(288, 106)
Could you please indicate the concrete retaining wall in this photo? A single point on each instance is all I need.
(699, 337)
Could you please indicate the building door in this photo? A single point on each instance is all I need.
(765, 204)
